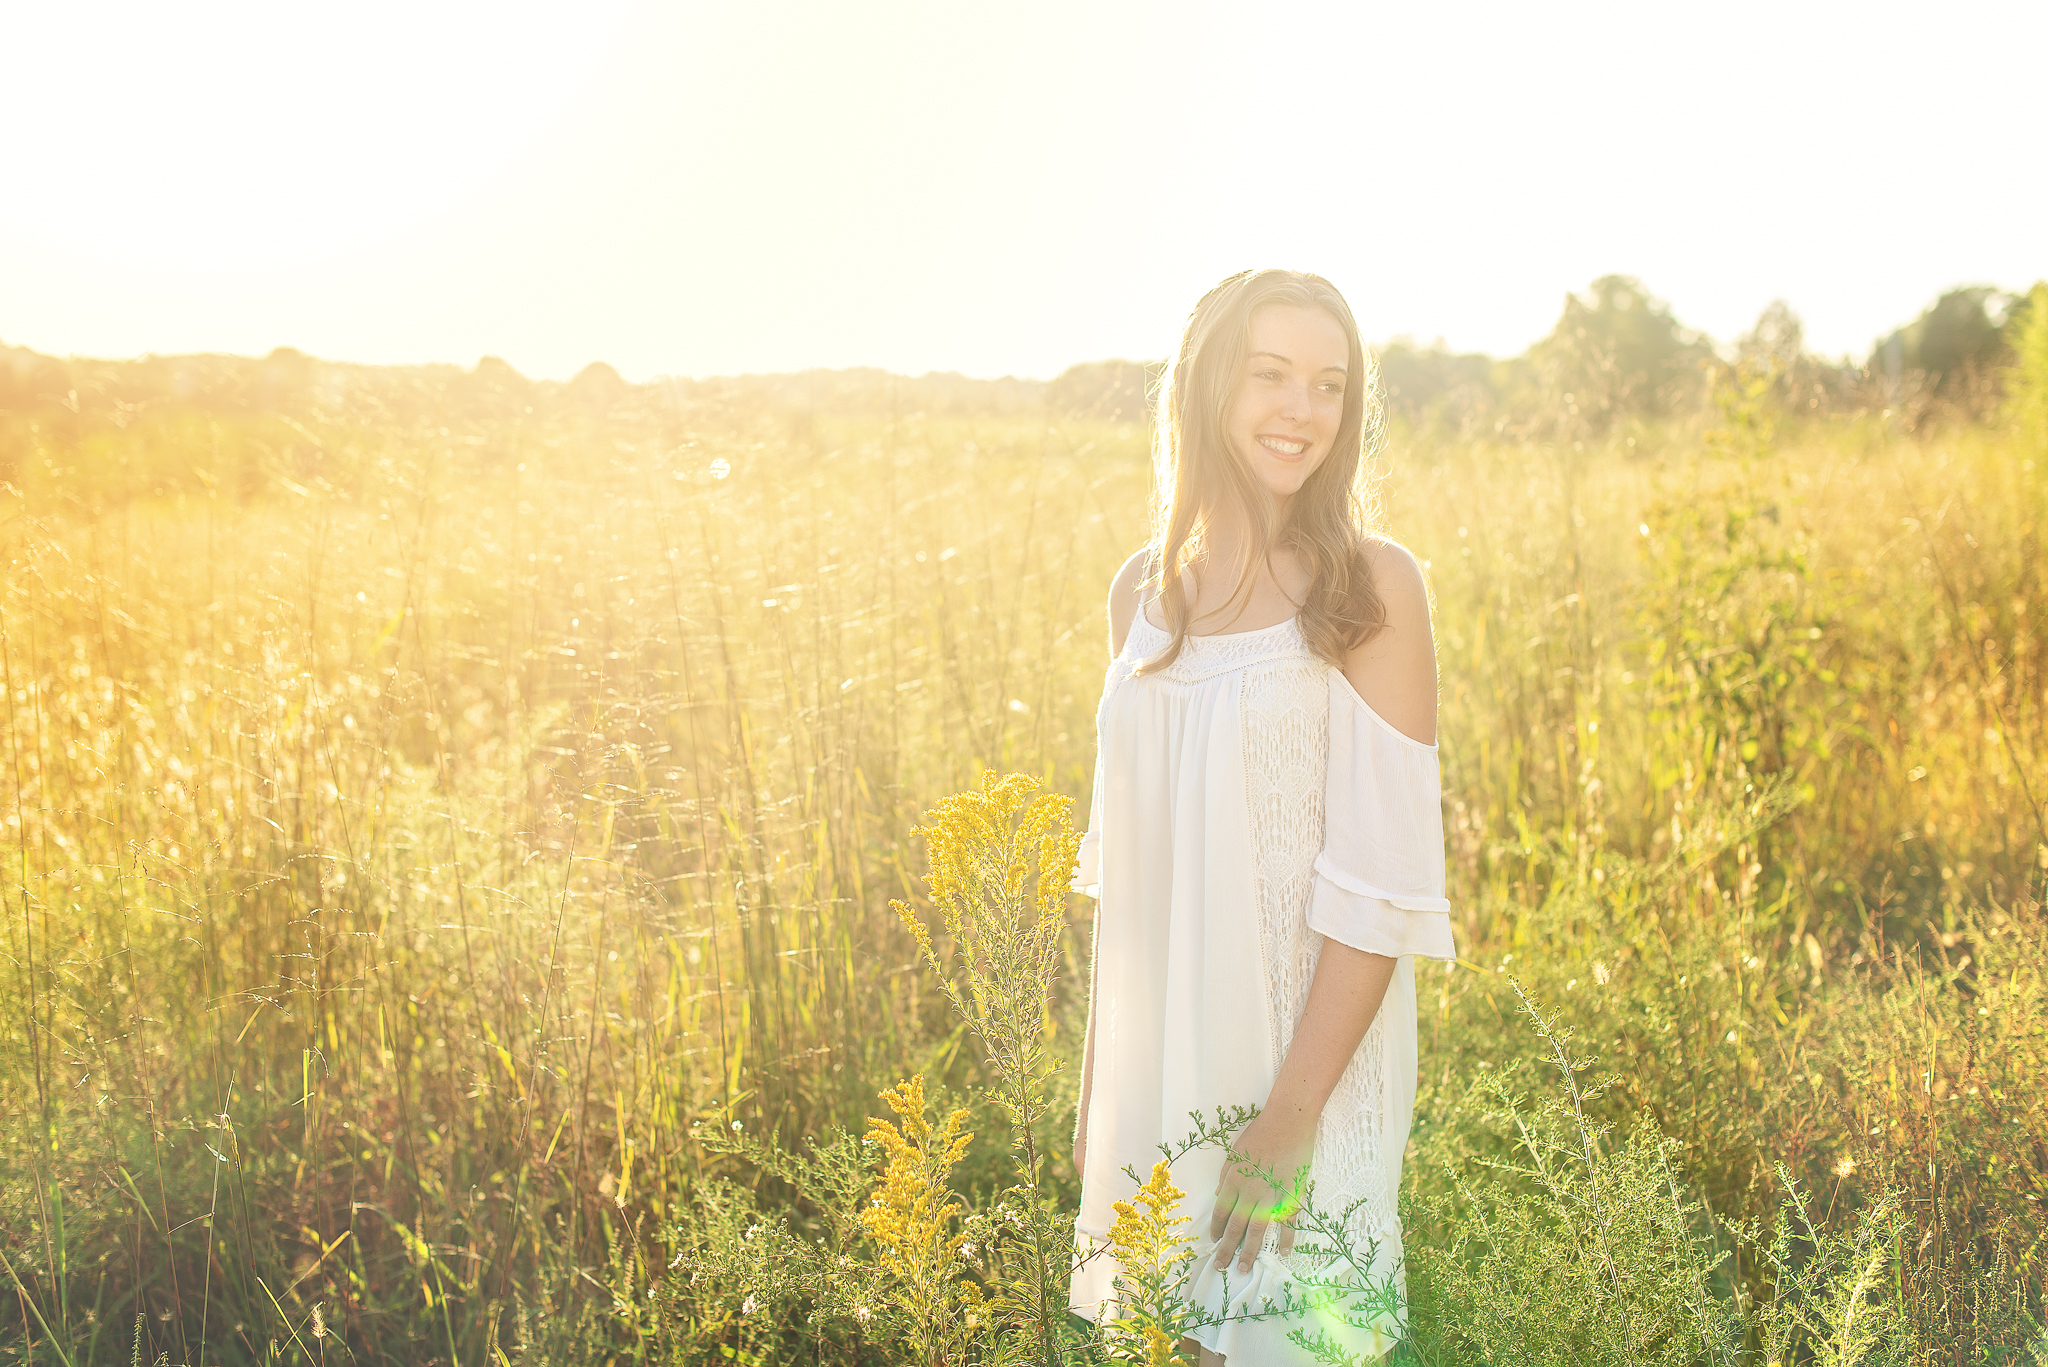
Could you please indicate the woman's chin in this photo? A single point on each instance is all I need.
(1284, 485)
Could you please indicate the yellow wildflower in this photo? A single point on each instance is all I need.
(996, 950)
(1143, 1237)
(912, 1213)
(1153, 1258)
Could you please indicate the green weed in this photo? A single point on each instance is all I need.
(431, 829)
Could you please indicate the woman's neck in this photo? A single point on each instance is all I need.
(1227, 534)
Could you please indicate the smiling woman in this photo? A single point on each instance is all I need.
(1266, 842)
(1290, 403)
(1271, 360)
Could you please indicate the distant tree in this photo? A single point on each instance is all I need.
(1778, 340)
(1957, 345)
(493, 390)
(596, 388)
(1434, 384)
(29, 385)
(1799, 382)
(285, 379)
(597, 378)
(498, 373)
(2026, 378)
(29, 380)
(1112, 391)
(1616, 353)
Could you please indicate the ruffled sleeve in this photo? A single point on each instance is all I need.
(1379, 883)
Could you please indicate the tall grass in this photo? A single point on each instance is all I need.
(417, 854)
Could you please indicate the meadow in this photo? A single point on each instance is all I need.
(449, 856)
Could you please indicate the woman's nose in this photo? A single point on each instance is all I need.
(1294, 403)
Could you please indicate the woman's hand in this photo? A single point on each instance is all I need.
(1281, 1143)
(1343, 997)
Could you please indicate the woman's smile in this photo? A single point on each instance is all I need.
(1289, 403)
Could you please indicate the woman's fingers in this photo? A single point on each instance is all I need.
(1233, 1234)
(1251, 1200)
(1240, 1223)
(1220, 1208)
(1254, 1235)
(1246, 1206)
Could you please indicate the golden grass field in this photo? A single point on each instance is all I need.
(427, 844)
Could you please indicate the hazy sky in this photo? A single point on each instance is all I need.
(681, 188)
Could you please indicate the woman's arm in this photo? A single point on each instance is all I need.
(1395, 673)
(1343, 997)
(1125, 596)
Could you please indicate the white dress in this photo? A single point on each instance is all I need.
(1248, 803)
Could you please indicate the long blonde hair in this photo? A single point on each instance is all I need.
(1197, 475)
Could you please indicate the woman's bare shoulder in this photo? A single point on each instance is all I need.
(1126, 594)
(1395, 671)
(1398, 576)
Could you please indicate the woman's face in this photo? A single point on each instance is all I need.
(1290, 396)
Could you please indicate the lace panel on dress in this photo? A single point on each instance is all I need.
(1285, 710)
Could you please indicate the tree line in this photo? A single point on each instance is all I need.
(1616, 361)
(1617, 355)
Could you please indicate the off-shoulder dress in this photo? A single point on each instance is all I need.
(1249, 804)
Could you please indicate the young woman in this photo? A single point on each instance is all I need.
(1266, 842)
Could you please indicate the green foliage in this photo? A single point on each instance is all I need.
(2026, 382)
(1956, 343)
(1615, 354)
(1575, 1250)
(1105, 391)
(424, 850)
(1434, 388)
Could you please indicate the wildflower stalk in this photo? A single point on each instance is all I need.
(1154, 1257)
(912, 1217)
(1001, 955)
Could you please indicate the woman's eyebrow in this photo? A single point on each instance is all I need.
(1285, 361)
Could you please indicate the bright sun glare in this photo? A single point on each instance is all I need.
(695, 189)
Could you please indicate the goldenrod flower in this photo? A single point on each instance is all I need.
(912, 1212)
(996, 950)
(1153, 1258)
(1143, 1237)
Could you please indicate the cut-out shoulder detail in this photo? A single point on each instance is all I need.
(1394, 672)
(1396, 732)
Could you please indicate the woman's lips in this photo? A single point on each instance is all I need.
(1286, 448)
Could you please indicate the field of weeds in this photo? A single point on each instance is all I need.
(449, 862)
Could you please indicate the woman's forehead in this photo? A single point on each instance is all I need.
(1300, 334)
